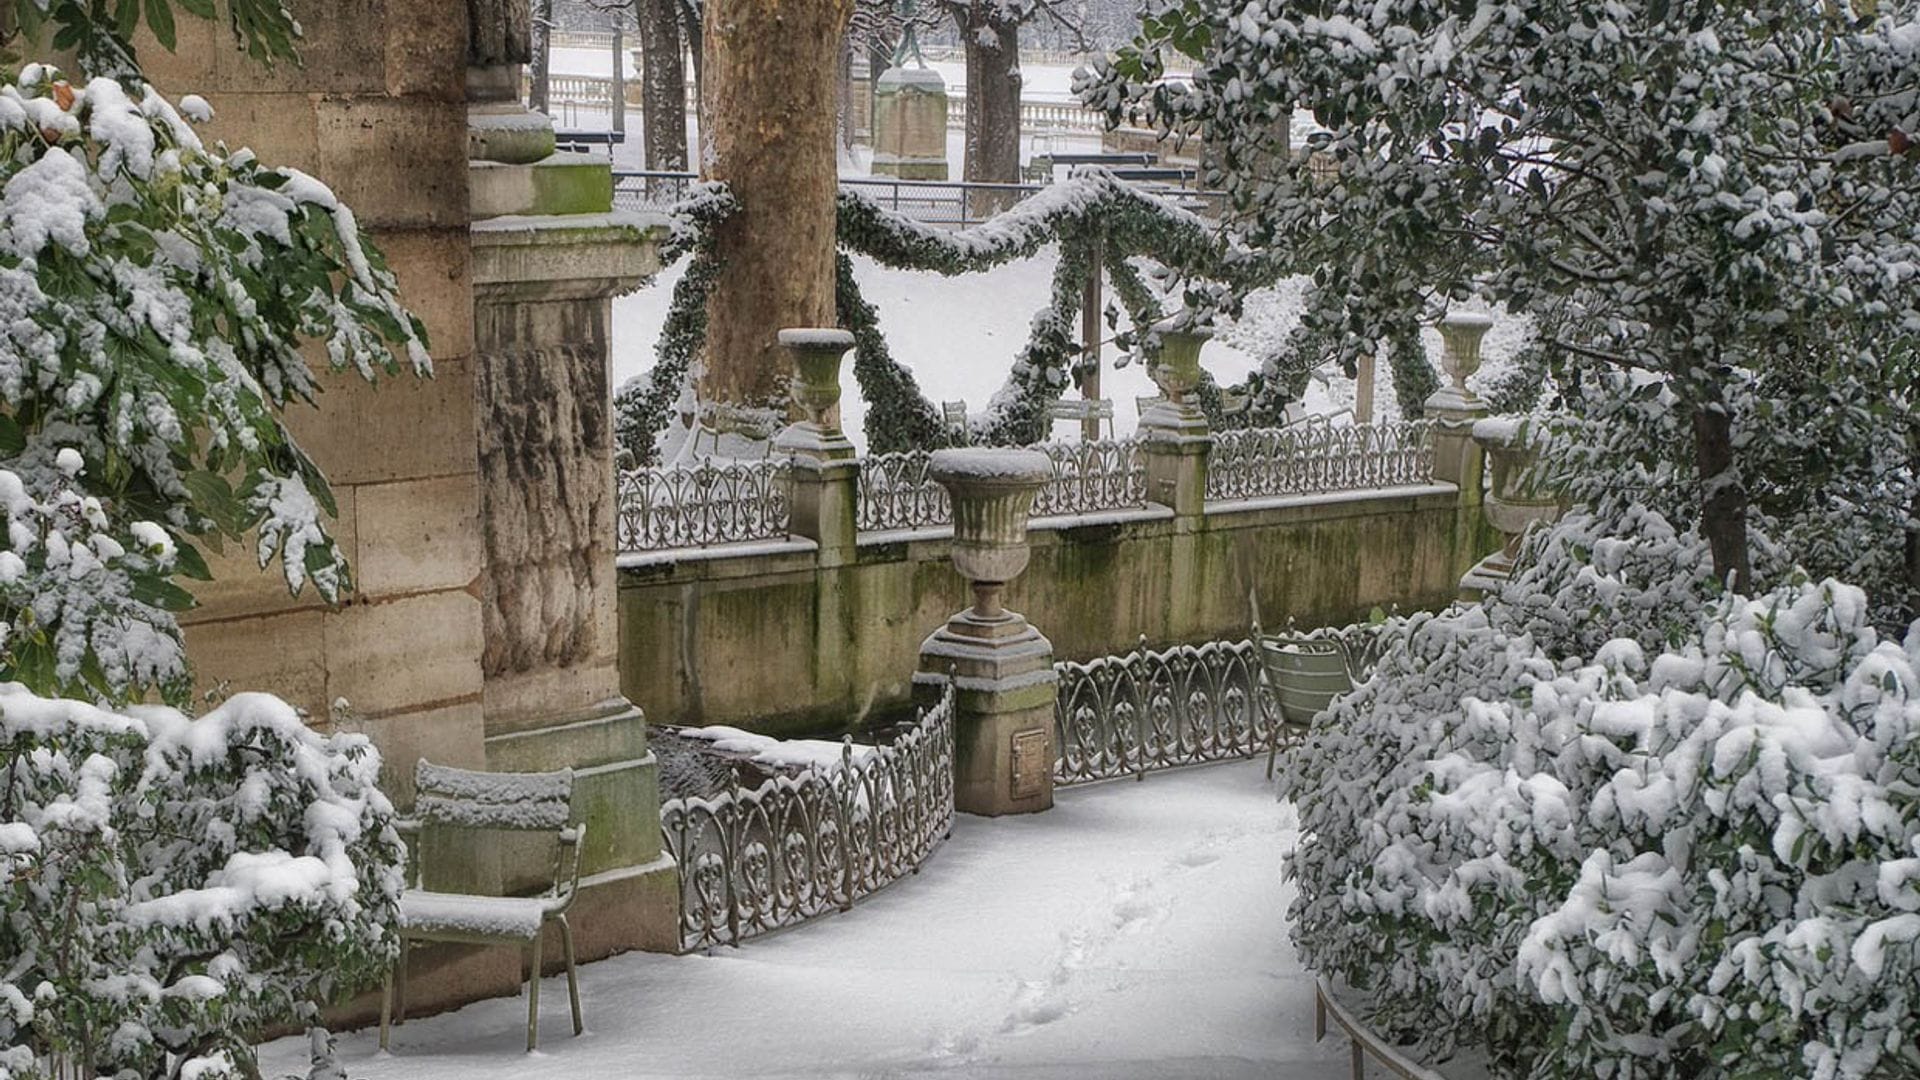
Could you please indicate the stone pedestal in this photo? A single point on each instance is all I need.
(910, 124)
(543, 282)
(1001, 665)
(825, 472)
(1175, 439)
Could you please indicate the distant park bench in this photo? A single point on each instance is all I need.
(1041, 167)
(1158, 175)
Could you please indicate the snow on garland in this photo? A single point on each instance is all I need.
(1692, 850)
(1091, 212)
(169, 886)
(154, 295)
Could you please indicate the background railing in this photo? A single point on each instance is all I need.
(1091, 476)
(727, 502)
(1311, 459)
(794, 848)
(896, 493)
(1088, 477)
(1129, 715)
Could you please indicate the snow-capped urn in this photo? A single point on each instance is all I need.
(992, 492)
(816, 355)
(1177, 373)
(1462, 331)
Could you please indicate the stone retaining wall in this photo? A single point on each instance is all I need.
(768, 637)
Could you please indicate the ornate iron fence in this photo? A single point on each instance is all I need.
(896, 493)
(1103, 474)
(708, 503)
(799, 847)
(1130, 715)
(1309, 459)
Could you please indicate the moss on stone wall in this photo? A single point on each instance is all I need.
(775, 644)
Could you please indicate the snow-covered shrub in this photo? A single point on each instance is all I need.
(168, 884)
(1703, 195)
(154, 296)
(1691, 855)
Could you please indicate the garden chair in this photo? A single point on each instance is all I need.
(1082, 411)
(494, 802)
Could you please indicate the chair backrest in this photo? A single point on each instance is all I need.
(1081, 409)
(520, 802)
(1306, 674)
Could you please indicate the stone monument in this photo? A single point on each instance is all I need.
(910, 113)
(1001, 665)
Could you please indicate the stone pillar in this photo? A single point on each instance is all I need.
(1174, 436)
(549, 253)
(1517, 499)
(1001, 665)
(910, 124)
(825, 469)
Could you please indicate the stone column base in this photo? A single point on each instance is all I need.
(1004, 688)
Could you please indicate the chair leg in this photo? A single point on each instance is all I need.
(400, 986)
(573, 974)
(386, 1007)
(533, 997)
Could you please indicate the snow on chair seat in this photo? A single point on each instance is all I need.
(501, 802)
(442, 916)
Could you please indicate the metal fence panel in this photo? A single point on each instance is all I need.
(1130, 715)
(709, 503)
(794, 848)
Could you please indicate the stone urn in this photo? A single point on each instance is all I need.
(816, 354)
(1517, 497)
(1462, 333)
(1177, 373)
(1177, 417)
(992, 491)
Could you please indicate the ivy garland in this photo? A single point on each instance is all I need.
(642, 405)
(1098, 223)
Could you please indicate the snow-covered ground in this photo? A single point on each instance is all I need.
(1135, 931)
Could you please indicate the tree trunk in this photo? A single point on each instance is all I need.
(993, 94)
(1723, 504)
(693, 29)
(770, 84)
(663, 86)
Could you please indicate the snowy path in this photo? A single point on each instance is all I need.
(1134, 932)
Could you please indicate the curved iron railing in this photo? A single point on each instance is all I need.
(797, 847)
(1129, 715)
(709, 503)
(1308, 459)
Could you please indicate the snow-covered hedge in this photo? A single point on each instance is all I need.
(168, 885)
(1691, 855)
(156, 293)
